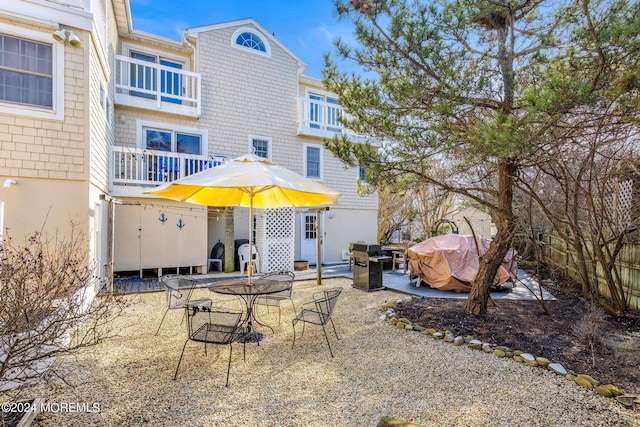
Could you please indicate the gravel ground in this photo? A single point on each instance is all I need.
(377, 370)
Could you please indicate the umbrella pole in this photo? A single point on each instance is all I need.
(318, 249)
(250, 264)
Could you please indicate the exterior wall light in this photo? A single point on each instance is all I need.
(65, 36)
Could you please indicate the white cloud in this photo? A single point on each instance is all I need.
(327, 33)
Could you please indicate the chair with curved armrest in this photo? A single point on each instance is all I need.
(273, 300)
(210, 326)
(319, 312)
(178, 291)
(243, 257)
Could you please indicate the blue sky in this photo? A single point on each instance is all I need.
(306, 27)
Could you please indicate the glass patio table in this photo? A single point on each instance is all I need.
(240, 287)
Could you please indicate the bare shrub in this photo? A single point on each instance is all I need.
(48, 307)
(587, 327)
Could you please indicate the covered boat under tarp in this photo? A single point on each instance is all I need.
(450, 262)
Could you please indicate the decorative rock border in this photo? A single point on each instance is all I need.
(393, 422)
(585, 381)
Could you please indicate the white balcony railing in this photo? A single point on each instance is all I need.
(135, 166)
(319, 118)
(157, 87)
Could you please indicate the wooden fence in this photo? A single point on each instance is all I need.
(558, 254)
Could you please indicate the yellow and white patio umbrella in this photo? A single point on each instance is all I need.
(248, 181)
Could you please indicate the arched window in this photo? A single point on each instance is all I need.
(249, 39)
(252, 41)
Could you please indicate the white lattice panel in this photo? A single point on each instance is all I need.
(619, 202)
(625, 193)
(275, 239)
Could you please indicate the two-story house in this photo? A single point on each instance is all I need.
(93, 113)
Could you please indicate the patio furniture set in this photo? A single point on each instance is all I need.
(212, 325)
(254, 182)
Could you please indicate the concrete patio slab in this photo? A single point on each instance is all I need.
(391, 280)
(524, 289)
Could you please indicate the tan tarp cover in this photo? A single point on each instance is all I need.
(450, 262)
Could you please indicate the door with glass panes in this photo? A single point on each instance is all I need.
(308, 238)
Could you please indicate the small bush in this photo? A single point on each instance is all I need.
(47, 306)
(587, 327)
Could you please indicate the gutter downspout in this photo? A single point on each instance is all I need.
(186, 41)
(196, 62)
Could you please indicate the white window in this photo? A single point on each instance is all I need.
(172, 139)
(109, 110)
(250, 40)
(310, 229)
(324, 111)
(105, 103)
(31, 73)
(362, 173)
(103, 97)
(170, 84)
(260, 145)
(313, 161)
(177, 139)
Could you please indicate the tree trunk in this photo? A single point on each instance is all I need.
(491, 260)
(581, 265)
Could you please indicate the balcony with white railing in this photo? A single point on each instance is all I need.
(319, 118)
(151, 86)
(133, 170)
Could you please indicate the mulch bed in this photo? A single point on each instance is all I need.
(561, 334)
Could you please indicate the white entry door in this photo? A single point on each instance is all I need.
(308, 238)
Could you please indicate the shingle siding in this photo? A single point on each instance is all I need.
(248, 94)
(48, 148)
(99, 128)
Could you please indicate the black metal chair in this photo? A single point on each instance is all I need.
(273, 300)
(318, 312)
(213, 327)
(178, 291)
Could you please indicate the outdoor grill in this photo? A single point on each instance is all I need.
(367, 266)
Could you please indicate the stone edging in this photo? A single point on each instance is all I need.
(585, 381)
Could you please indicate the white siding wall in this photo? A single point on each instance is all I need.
(248, 94)
(48, 157)
(100, 133)
(245, 94)
(43, 148)
(144, 242)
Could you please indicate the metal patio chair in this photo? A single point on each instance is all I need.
(178, 291)
(213, 327)
(318, 312)
(273, 300)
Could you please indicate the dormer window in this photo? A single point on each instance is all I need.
(248, 39)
